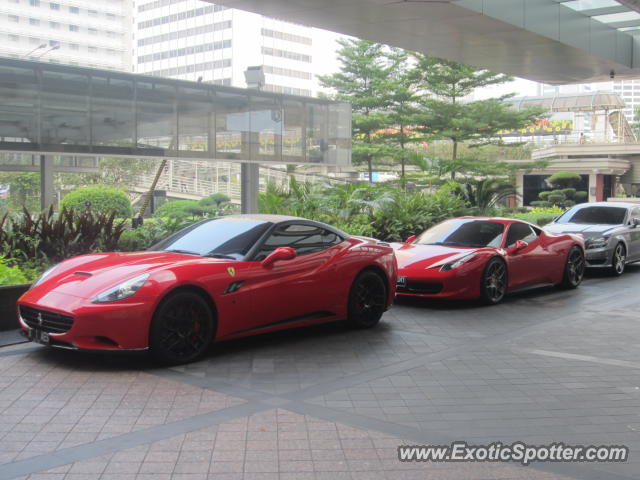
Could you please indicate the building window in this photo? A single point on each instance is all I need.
(54, 6)
(34, 21)
(74, 46)
(14, 18)
(34, 3)
(74, 28)
(274, 52)
(54, 43)
(286, 36)
(93, 49)
(34, 41)
(93, 31)
(75, 10)
(14, 38)
(54, 25)
(93, 13)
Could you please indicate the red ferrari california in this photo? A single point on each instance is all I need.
(219, 279)
(485, 258)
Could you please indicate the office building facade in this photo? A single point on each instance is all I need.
(71, 32)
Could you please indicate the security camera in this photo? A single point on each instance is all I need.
(612, 74)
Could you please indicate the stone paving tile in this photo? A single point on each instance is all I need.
(351, 453)
(47, 406)
(281, 363)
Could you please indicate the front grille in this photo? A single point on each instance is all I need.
(428, 288)
(45, 320)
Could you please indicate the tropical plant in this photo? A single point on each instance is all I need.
(101, 200)
(485, 194)
(50, 237)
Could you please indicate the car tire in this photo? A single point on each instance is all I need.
(493, 285)
(618, 260)
(573, 268)
(367, 300)
(182, 328)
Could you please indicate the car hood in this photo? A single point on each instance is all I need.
(89, 275)
(586, 230)
(415, 256)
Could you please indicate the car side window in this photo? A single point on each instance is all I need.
(303, 239)
(520, 231)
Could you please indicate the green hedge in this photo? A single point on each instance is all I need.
(103, 200)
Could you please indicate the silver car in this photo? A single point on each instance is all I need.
(611, 232)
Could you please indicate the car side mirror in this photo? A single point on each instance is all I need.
(520, 245)
(280, 253)
(635, 222)
(410, 239)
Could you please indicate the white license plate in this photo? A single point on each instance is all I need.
(39, 336)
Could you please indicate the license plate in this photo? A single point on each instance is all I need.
(402, 281)
(39, 336)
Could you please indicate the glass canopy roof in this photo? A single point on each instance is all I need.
(609, 12)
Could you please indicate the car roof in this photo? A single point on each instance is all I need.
(275, 219)
(263, 217)
(608, 204)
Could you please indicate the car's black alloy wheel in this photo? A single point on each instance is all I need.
(367, 299)
(182, 328)
(618, 260)
(494, 282)
(574, 268)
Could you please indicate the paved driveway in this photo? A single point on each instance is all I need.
(334, 403)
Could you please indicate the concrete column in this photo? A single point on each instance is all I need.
(250, 184)
(47, 194)
(592, 187)
(519, 199)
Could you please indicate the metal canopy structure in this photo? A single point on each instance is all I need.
(52, 109)
(574, 102)
(550, 41)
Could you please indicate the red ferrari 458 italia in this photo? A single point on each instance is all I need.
(477, 257)
(218, 279)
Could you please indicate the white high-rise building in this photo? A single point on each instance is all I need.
(196, 40)
(71, 32)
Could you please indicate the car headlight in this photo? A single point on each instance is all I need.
(450, 266)
(44, 275)
(598, 242)
(122, 291)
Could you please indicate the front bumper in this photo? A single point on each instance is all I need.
(460, 283)
(598, 257)
(116, 326)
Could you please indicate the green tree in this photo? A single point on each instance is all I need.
(24, 188)
(402, 100)
(366, 69)
(112, 172)
(449, 114)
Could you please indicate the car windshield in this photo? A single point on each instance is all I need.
(230, 238)
(463, 233)
(594, 215)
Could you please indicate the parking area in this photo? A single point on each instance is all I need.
(328, 402)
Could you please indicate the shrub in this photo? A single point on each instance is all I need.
(103, 200)
(568, 192)
(541, 204)
(564, 179)
(10, 275)
(539, 216)
(544, 195)
(183, 210)
(580, 197)
(556, 198)
(149, 233)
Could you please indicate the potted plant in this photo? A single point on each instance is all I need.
(13, 284)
